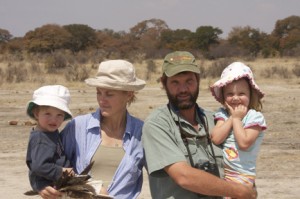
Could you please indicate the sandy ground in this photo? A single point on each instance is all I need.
(278, 166)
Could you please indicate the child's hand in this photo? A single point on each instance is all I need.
(69, 170)
(239, 111)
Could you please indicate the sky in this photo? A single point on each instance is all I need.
(21, 16)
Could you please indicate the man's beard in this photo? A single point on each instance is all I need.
(183, 104)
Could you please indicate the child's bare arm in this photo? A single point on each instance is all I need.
(221, 130)
(244, 137)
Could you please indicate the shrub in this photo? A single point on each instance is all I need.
(55, 63)
(151, 68)
(296, 70)
(15, 74)
(217, 67)
(76, 72)
(276, 71)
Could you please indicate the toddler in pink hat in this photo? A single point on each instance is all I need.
(240, 124)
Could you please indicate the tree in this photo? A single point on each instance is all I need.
(5, 36)
(82, 36)
(146, 35)
(205, 36)
(180, 39)
(111, 42)
(247, 38)
(287, 33)
(47, 38)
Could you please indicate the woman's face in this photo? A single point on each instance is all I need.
(112, 102)
(236, 93)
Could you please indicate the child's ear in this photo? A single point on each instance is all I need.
(35, 112)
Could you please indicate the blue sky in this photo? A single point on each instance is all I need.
(21, 16)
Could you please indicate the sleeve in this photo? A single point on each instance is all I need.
(221, 114)
(255, 118)
(160, 144)
(42, 154)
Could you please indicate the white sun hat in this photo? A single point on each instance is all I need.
(51, 95)
(116, 75)
(234, 71)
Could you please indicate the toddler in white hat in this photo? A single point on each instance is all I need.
(45, 158)
(240, 124)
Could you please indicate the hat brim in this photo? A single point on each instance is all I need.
(32, 104)
(216, 88)
(138, 84)
(181, 68)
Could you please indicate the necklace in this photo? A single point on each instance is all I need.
(111, 137)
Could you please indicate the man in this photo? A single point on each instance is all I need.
(177, 146)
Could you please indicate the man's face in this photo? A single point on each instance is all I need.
(182, 90)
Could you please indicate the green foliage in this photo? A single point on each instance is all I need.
(82, 36)
(153, 38)
(205, 36)
(176, 40)
(247, 38)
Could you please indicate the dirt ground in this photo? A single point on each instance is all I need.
(278, 166)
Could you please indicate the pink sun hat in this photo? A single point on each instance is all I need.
(234, 71)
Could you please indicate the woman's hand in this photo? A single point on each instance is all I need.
(50, 193)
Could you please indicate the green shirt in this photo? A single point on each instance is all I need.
(164, 146)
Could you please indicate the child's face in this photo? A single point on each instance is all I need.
(49, 118)
(237, 93)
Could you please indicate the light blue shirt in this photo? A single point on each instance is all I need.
(243, 161)
(81, 138)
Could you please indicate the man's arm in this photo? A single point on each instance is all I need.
(199, 181)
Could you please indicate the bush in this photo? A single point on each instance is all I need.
(217, 67)
(15, 73)
(296, 70)
(276, 71)
(76, 72)
(55, 63)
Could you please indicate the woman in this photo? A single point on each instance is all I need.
(110, 137)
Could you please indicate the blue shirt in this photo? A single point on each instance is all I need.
(81, 138)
